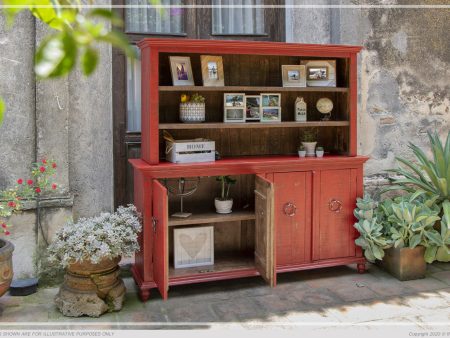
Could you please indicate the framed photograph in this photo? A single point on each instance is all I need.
(293, 75)
(234, 100)
(193, 247)
(270, 100)
(234, 115)
(212, 70)
(320, 73)
(253, 107)
(269, 114)
(181, 71)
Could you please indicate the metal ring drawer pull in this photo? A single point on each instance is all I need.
(289, 209)
(335, 205)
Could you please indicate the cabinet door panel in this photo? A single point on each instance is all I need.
(336, 204)
(293, 217)
(161, 241)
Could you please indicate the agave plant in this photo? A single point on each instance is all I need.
(431, 176)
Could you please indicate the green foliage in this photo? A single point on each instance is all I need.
(2, 110)
(319, 148)
(431, 176)
(439, 242)
(309, 135)
(226, 183)
(197, 98)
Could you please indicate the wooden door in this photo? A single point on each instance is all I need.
(334, 235)
(161, 242)
(264, 230)
(293, 217)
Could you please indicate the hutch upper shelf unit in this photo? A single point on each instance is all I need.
(290, 213)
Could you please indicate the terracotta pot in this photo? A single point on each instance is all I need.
(6, 267)
(405, 263)
(91, 288)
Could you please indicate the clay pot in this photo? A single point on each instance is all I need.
(6, 267)
(91, 289)
(405, 263)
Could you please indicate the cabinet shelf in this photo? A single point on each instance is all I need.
(234, 89)
(212, 217)
(285, 124)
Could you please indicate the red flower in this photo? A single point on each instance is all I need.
(54, 186)
(19, 181)
(44, 161)
(30, 182)
(4, 225)
(42, 169)
(7, 233)
(11, 204)
(38, 190)
(53, 165)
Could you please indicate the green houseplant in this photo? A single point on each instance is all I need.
(12, 202)
(90, 250)
(309, 141)
(301, 151)
(224, 203)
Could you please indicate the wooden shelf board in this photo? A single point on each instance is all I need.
(235, 89)
(225, 267)
(285, 124)
(212, 217)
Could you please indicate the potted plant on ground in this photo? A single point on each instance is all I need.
(309, 141)
(224, 203)
(90, 250)
(319, 151)
(301, 151)
(400, 233)
(12, 202)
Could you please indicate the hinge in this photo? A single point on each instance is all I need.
(154, 222)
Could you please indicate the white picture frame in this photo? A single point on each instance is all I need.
(293, 75)
(253, 108)
(270, 114)
(234, 100)
(271, 100)
(234, 115)
(193, 247)
(320, 73)
(181, 70)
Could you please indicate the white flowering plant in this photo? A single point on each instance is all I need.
(92, 239)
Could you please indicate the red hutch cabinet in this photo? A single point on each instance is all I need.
(289, 213)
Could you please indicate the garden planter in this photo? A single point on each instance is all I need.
(310, 148)
(6, 267)
(405, 263)
(223, 206)
(91, 289)
(192, 112)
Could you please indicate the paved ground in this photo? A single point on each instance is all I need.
(332, 296)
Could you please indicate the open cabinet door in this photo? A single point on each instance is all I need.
(161, 242)
(264, 228)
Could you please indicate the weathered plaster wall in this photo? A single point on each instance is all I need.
(403, 75)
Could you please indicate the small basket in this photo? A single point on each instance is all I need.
(192, 112)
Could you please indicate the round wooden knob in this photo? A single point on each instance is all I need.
(335, 205)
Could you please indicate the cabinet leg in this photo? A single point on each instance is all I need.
(361, 267)
(144, 294)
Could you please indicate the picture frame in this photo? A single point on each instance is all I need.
(234, 115)
(271, 100)
(181, 70)
(253, 107)
(193, 246)
(293, 75)
(234, 100)
(320, 73)
(212, 71)
(271, 114)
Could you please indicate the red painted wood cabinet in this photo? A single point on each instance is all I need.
(289, 213)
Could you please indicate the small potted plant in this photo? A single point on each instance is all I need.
(91, 250)
(12, 201)
(319, 151)
(301, 151)
(192, 109)
(224, 203)
(309, 141)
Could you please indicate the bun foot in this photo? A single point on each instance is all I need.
(144, 294)
(361, 267)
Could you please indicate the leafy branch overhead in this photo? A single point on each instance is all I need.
(76, 34)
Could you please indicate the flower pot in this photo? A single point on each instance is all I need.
(6, 267)
(405, 263)
(319, 153)
(192, 112)
(91, 289)
(301, 153)
(310, 148)
(223, 206)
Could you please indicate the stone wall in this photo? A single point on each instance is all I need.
(403, 73)
(68, 119)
